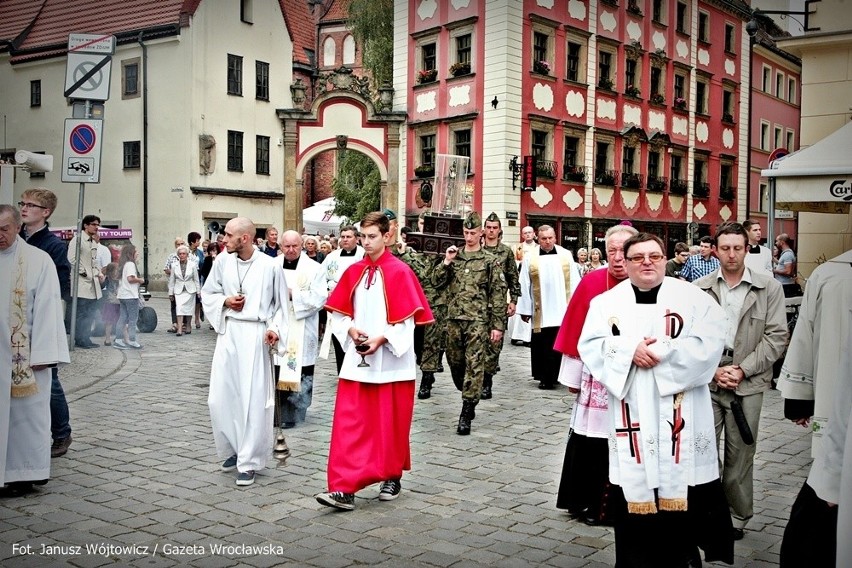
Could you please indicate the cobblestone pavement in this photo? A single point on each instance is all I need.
(141, 484)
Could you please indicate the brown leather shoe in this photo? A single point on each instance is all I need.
(60, 447)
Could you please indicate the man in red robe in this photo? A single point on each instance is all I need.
(585, 471)
(374, 310)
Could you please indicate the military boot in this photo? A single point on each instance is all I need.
(486, 387)
(467, 414)
(426, 385)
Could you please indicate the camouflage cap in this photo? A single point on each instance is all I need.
(473, 221)
(492, 218)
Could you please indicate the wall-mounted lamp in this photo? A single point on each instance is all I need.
(494, 102)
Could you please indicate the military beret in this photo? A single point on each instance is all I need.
(493, 218)
(473, 221)
(389, 213)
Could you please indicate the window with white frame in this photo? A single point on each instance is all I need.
(461, 137)
(764, 198)
(539, 143)
(766, 85)
(130, 78)
(730, 39)
(791, 140)
(764, 135)
(778, 138)
(348, 50)
(606, 67)
(779, 85)
(791, 90)
(658, 11)
(703, 27)
(604, 158)
(543, 39)
(428, 50)
(426, 143)
(682, 18)
(702, 88)
(329, 52)
(461, 48)
(576, 55)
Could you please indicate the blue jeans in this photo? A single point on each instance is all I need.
(86, 311)
(128, 314)
(60, 418)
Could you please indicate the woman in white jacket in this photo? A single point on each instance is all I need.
(184, 287)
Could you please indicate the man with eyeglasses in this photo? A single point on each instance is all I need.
(585, 470)
(675, 265)
(655, 344)
(755, 337)
(89, 280)
(36, 206)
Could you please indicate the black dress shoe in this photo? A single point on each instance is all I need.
(738, 534)
(86, 345)
(546, 386)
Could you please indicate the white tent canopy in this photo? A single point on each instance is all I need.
(320, 218)
(819, 173)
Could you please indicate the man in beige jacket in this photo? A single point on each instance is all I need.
(89, 280)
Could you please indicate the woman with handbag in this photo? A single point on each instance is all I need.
(184, 287)
(128, 299)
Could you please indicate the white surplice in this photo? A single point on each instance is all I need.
(393, 361)
(25, 421)
(661, 419)
(334, 265)
(554, 300)
(308, 296)
(241, 391)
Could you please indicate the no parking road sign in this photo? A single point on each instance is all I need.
(81, 157)
(89, 64)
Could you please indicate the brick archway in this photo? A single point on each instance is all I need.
(338, 117)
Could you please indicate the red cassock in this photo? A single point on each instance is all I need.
(372, 421)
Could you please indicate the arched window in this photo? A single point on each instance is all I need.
(328, 54)
(349, 50)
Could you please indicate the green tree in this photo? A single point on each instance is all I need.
(357, 187)
(371, 22)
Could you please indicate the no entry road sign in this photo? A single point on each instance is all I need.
(81, 157)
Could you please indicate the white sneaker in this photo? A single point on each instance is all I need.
(120, 344)
(134, 344)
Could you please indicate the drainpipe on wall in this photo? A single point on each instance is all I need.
(144, 159)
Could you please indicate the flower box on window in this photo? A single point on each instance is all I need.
(632, 91)
(605, 83)
(541, 67)
(728, 117)
(424, 171)
(426, 76)
(679, 103)
(633, 8)
(460, 68)
(658, 99)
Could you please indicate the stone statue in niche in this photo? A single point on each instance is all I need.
(206, 154)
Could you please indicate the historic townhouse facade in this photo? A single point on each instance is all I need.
(634, 109)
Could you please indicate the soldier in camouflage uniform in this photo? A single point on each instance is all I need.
(506, 260)
(435, 336)
(475, 316)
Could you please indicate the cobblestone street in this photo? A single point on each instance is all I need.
(141, 484)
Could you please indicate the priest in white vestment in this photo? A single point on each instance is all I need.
(33, 342)
(655, 344)
(817, 389)
(307, 294)
(245, 300)
(333, 266)
(549, 276)
(521, 331)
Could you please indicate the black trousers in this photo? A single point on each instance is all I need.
(810, 538)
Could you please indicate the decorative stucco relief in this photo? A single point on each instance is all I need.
(545, 3)
(676, 203)
(730, 67)
(427, 9)
(629, 198)
(459, 4)
(606, 109)
(701, 131)
(657, 120)
(426, 101)
(604, 195)
(654, 201)
(634, 31)
(725, 213)
(572, 199)
(542, 196)
(679, 125)
(682, 48)
(728, 138)
(632, 115)
(543, 97)
(659, 40)
(699, 210)
(577, 9)
(608, 21)
(459, 96)
(575, 103)
(703, 57)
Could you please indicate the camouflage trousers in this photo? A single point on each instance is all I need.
(492, 359)
(467, 344)
(434, 340)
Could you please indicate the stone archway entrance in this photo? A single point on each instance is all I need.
(341, 116)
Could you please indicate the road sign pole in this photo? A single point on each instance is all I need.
(75, 283)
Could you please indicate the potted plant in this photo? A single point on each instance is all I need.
(460, 68)
(424, 171)
(728, 117)
(426, 76)
(680, 103)
(632, 91)
(633, 7)
(658, 99)
(541, 67)
(605, 83)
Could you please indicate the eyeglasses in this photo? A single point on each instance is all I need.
(640, 258)
(25, 205)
